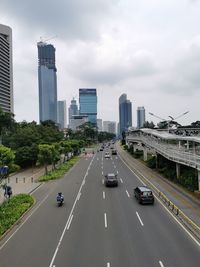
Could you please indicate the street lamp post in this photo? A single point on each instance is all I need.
(172, 118)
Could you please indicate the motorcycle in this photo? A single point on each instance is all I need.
(60, 200)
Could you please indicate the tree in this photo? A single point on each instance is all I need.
(45, 155)
(6, 160)
(6, 122)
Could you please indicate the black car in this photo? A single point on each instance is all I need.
(114, 152)
(144, 195)
(111, 179)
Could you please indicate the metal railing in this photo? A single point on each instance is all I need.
(171, 152)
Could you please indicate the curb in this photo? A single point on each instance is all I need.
(192, 226)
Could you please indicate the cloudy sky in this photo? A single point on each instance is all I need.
(148, 49)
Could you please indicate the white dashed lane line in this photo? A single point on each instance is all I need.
(139, 218)
(104, 195)
(127, 193)
(105, 220)
(161, 264)
(121, 180)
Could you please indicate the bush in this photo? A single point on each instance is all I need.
(151, 162)
(60, 171)
(13, 209)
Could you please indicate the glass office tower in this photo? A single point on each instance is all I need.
(125, 113)
(140, 117)
(6, 69)
(47, 82)
(88, 104)
(62, 114)
(72, 110)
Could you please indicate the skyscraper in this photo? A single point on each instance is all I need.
(62, 114)
(88, 104)
(47, 82)
(99, 125)
(109, 126)
(6, 69)
(72, 110)
(125, 113)
(140, 117)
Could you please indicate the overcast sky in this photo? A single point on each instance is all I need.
(148, 49)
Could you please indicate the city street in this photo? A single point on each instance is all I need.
(97, 225)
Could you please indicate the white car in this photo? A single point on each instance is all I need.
(107, 155)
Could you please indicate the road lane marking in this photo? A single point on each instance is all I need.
(70, 221)
(121, 180)
(117, 172)
(102, 173)
(79, 195)
(139, 218)
(127, 193)
(19, 227)
(105, 220)
(161, 264)
(104, 195)
(108, 264)
(69, 218)
(102, 166)
(102, 181)
(172, 215)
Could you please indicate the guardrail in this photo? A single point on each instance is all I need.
(193, 227)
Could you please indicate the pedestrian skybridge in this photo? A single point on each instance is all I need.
(180, 148)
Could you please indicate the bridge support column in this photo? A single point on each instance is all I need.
(198, 180)
(178, 170)
(145, 154)
(134, 148)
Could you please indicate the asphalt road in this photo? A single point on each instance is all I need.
(97, 226)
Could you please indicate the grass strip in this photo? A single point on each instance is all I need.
(12, 209)
(60, 171)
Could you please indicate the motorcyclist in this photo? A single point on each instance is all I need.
(60, 197)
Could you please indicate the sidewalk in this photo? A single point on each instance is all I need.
(23, 182)
(187, 203)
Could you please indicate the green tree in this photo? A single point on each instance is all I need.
(6, 122)
(6, 159)
(45, 155)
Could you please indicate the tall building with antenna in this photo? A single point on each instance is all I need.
(47, 80)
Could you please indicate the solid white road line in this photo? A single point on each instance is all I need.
(79, 195)
(105, 220)
(139, 218)
(121, 180)
(70, 221)
(104, 195)
(24, 222)
(161, 264)
(169, 212)
(127, 193)
(69, 218)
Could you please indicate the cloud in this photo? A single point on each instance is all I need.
(70, 19)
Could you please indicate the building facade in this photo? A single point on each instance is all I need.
(99, 125)
(47, 82)
(140, 117)
(6, 69)
(125, 113)
(109, 126)
(72, 110)
(77, 120)
(62, 115)
(88, 104)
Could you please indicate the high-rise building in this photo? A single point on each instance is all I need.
(140, 117)
(47, 82)
(99, 125)
(72, 110)
(78, 120)
(125, 113)
(88, 104)
(62, 114)
(6, 69)
(109, 126)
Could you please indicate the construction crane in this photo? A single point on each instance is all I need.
(44, 41)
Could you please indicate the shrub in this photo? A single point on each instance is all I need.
(12, 209)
